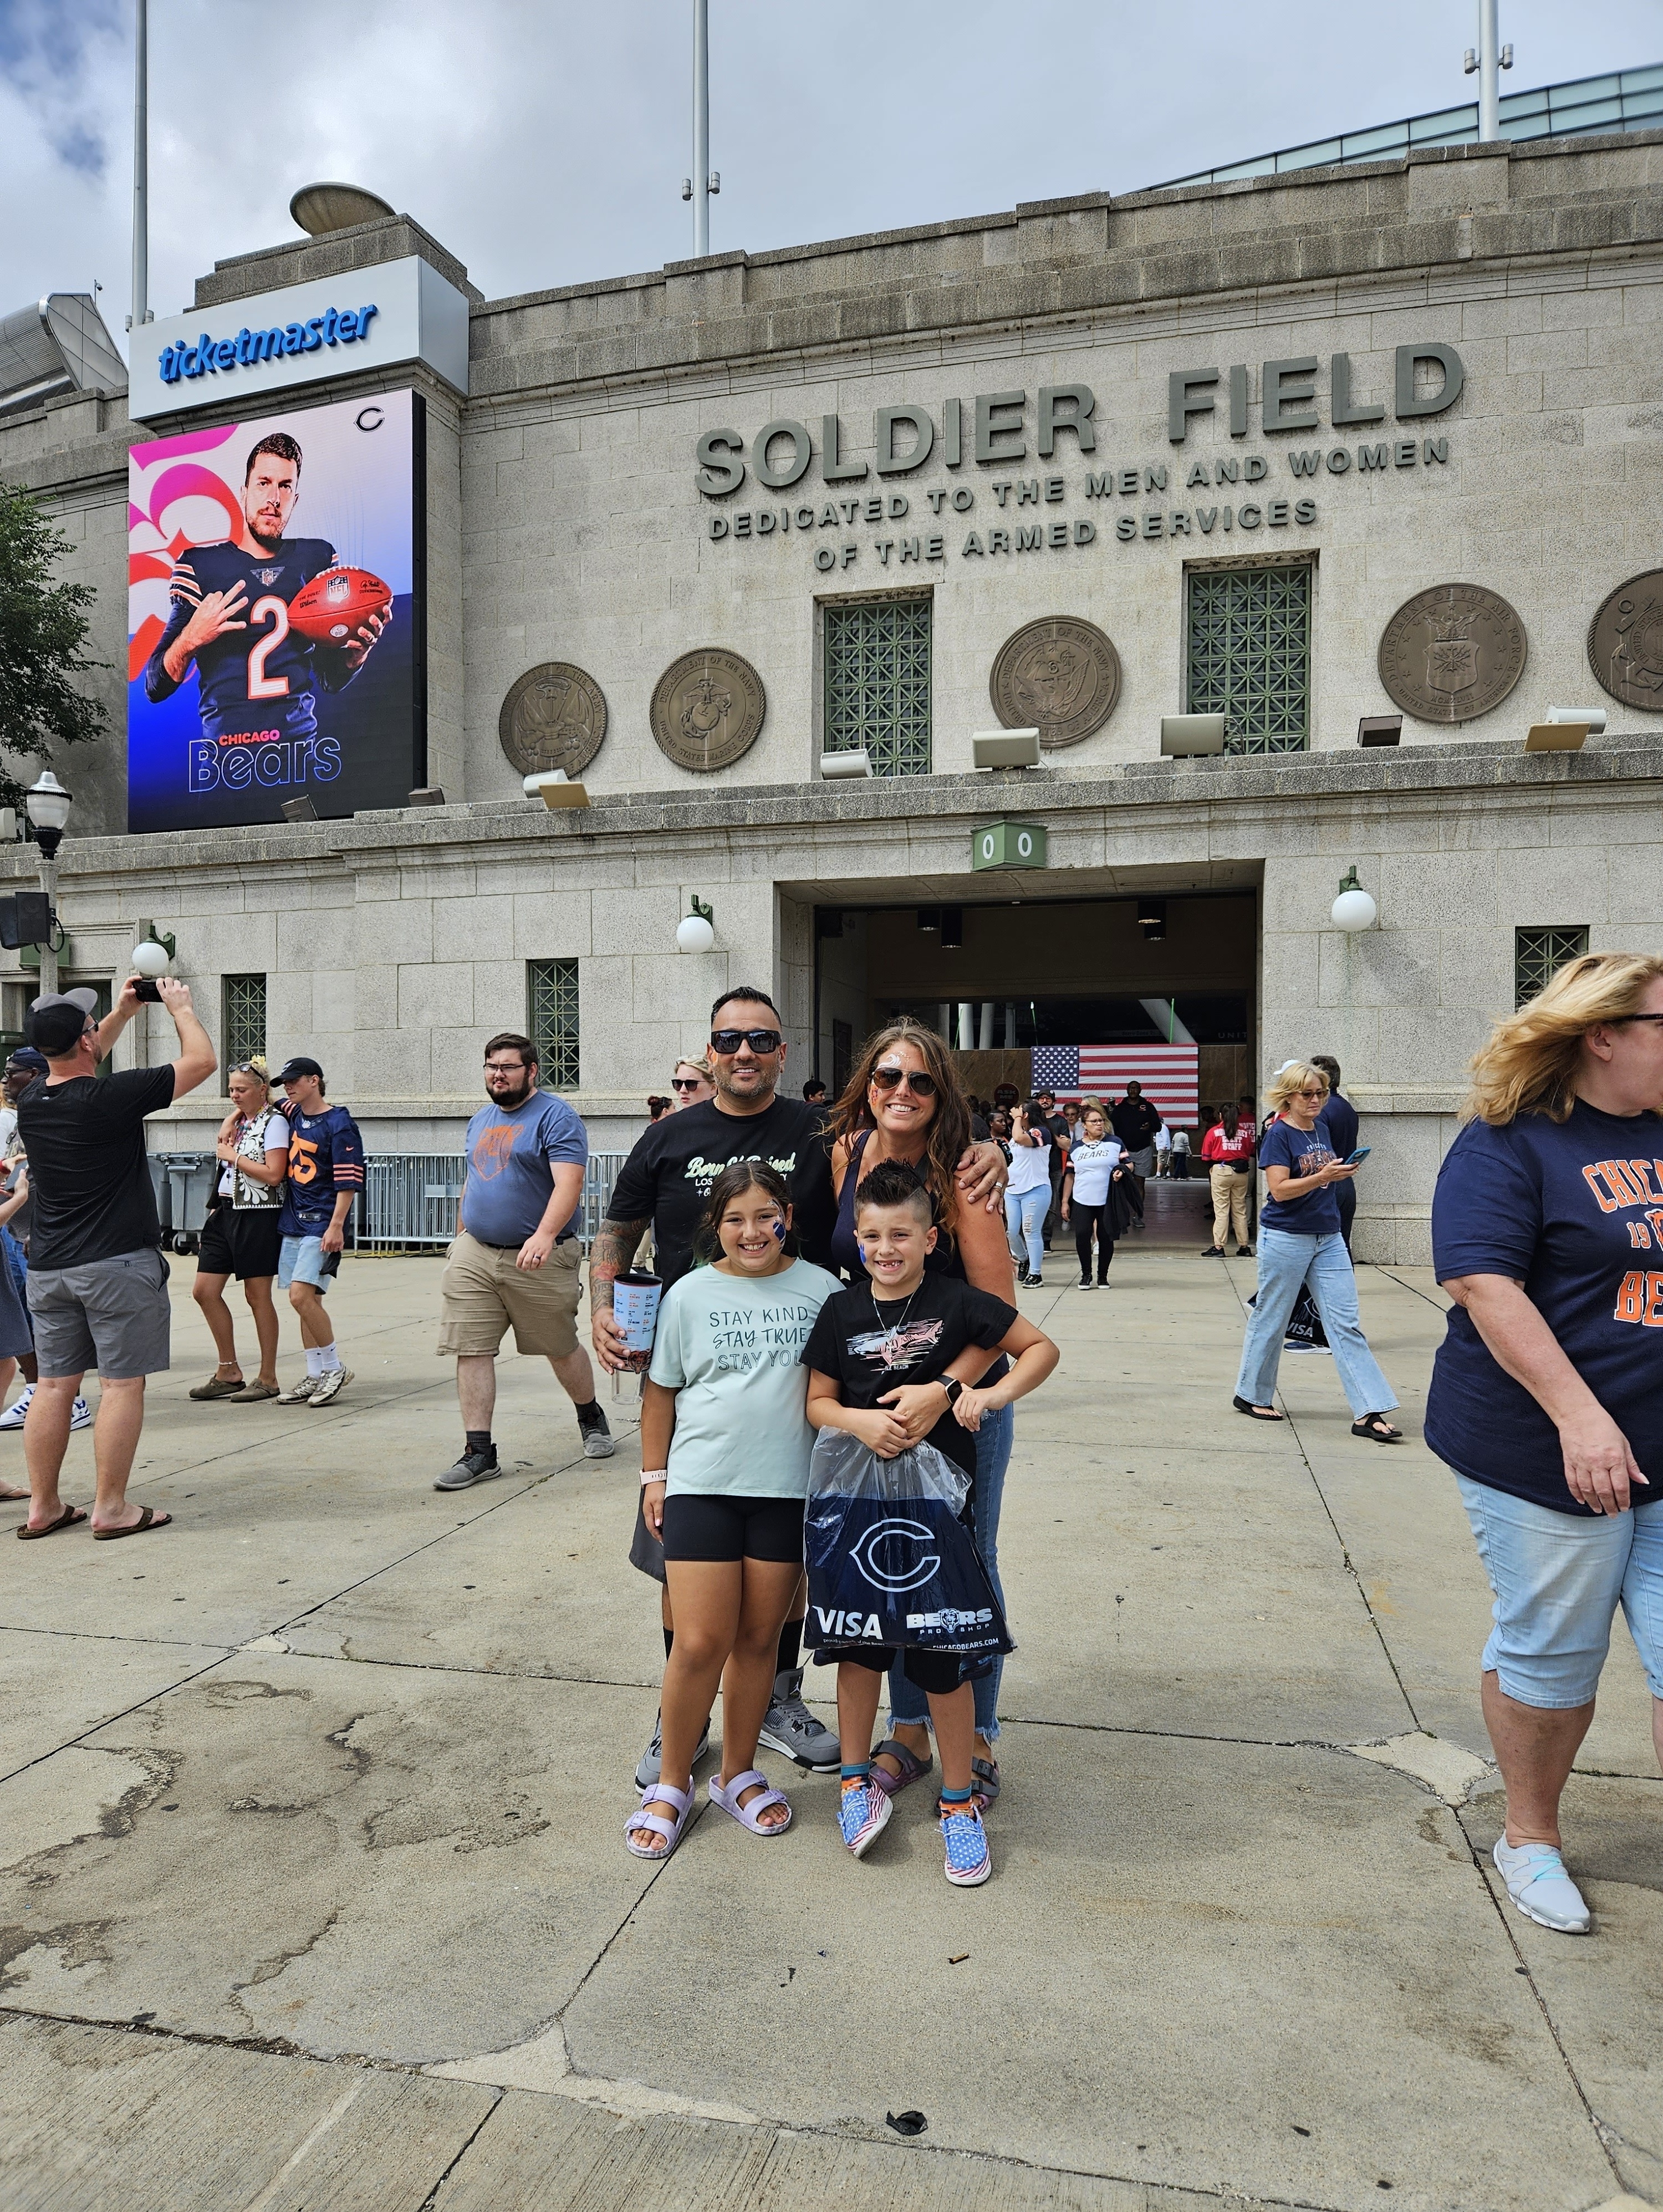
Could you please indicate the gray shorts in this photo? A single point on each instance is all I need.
(108, 1316)
(1141, 1162)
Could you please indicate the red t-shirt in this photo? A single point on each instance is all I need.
(1216, 1146)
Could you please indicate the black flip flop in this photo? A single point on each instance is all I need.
(147, 1519)
(66, 1519)
(1384, 1434)
(1256, 1412)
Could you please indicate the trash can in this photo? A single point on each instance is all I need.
(190, 1182)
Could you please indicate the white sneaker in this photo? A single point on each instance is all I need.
(13, 1416)
(328, 1387)
(1538, 1885)
(81, 1416)
(299, 1392)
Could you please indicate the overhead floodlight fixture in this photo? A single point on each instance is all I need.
(1189, 736)
(555, 790)
(836, 767)
(1594, 717)
(952, 928)
(1380, 729)
(298, 809)
(1005, 748)
(428, 794)
(1552, 737)
(929, 919)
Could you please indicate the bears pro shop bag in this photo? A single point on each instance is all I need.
(889, 1559)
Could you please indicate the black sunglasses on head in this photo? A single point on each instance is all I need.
(728, 1041)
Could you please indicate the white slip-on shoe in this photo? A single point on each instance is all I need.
(1538, 1885)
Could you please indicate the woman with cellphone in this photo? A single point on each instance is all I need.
(1299, 1243)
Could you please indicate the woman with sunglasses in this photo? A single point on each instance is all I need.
(240, 1237)
(691, 1083)
(1300, 1244)
(1547, 1393)
(904, 1103)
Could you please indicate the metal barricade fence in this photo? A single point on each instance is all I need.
(410, 1199)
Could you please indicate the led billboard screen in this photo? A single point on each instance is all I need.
(275, 616)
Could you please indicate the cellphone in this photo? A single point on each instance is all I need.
(144, 987)
(1362, 1153)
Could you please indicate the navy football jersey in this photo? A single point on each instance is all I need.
(263, 677)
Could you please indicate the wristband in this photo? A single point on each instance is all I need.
(661, 1475)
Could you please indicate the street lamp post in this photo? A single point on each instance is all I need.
(48, 805)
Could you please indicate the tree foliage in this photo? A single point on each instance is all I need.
(43, 630)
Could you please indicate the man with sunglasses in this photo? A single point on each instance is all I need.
(664, 1185)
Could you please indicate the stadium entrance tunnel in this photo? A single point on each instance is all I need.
(1079, 993)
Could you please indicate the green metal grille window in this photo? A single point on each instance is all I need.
(551, 991)
(1249, 654)
(243, 1018)
(878, 684)
(1538, 954)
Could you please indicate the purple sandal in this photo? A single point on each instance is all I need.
(913, 1769)
(728, 1796)
(662, 1793)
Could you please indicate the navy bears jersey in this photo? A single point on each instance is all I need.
(265, 676)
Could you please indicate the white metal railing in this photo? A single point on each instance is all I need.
(410, 1199)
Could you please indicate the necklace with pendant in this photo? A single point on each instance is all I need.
(897, 1327)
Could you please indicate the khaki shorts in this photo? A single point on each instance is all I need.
(484, 1293)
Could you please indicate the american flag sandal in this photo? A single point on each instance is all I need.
(728, 1796)
(658, 1793)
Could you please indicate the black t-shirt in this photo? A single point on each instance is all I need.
(1135, 1121)
(667, 1179)
(870, 1346)
(94, 1199)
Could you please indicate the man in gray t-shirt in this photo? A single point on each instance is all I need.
(516, 1259)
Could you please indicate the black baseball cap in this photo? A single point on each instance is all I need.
(26, 1057)
(54, 1021)
(292, 1069)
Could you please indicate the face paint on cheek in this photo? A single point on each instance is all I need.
(861, 1249)
(779, 1232)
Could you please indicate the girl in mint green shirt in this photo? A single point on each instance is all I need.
(725, 1474)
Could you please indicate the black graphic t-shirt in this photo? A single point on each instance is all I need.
(667, 1178)
(870, 1345)
(1574, 1211)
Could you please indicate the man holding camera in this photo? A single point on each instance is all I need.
(98, 1283)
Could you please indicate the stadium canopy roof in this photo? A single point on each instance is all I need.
(57, 345)
(1631, 100)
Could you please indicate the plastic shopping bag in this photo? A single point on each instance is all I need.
(890, 1560)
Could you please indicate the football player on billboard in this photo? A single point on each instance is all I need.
(258, 670)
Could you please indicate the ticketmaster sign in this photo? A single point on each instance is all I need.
(377, 318)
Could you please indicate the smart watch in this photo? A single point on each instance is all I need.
(954, 1388)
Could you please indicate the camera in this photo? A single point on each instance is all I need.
(144, 987)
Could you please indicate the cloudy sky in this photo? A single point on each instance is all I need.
(544, 143)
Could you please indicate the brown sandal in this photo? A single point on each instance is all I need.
(66, 1519)
(147, 1519)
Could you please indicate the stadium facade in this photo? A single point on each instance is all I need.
(1309, 450)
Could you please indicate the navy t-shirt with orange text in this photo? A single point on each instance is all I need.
(1574, 1211)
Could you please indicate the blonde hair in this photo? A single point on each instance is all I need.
(1529, 1064)
(702, 1068)
(1292, 1076)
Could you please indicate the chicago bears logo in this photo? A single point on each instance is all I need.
(892, 1556)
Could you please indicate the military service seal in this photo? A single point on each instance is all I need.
(707, 709)
(1060, 675)
(1452, 654)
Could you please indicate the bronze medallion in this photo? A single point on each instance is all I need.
(554, 717)
(707, 708)
(1452, 654)
(1060, 675)
(1625, 642)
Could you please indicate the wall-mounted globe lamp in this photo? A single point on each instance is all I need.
(1354, 909)
(694, 932)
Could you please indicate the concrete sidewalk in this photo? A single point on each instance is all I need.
(315, 1892)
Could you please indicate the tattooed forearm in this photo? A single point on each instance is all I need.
(610, 1257)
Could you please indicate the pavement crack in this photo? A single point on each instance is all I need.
(431, 2198)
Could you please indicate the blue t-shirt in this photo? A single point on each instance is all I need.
(1301, 1152)
(325, 1157)
(1574, 1211)
(510, 1149)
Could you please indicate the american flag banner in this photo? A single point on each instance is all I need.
(1169, 1073)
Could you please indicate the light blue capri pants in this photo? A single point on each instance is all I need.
(1559, 1579)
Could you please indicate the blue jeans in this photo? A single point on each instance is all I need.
(1024, 1222)
(908, 1707)
(1285, 1260)
(1557, 1580)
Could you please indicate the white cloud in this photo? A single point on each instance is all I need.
(544, 145)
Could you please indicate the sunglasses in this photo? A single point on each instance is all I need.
(891, 1079)
(685, 1082)
(1317, 1094)
(728, 1041)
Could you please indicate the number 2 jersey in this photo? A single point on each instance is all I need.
(326, 1157)
(239, 673)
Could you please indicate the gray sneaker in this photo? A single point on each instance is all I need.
(651, 1766)
(598, 1442)
(789, 1727)
(472, 1467)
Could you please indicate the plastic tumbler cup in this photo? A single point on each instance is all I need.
(635, 1298)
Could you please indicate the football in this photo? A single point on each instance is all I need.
(331, 608)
